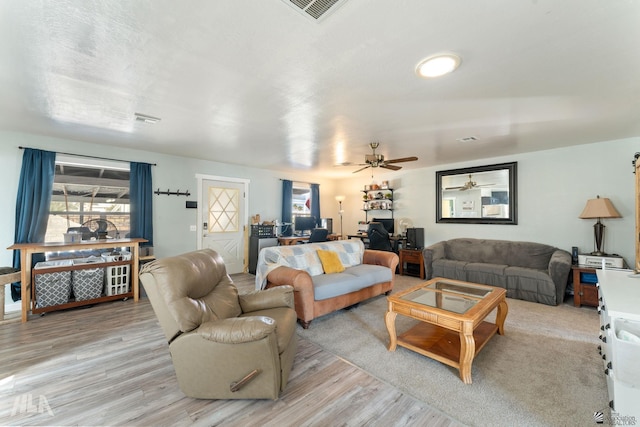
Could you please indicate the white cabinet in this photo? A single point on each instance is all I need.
(620, 335)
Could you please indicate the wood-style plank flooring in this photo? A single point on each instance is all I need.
(110, 365)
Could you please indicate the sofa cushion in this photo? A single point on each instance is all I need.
(489, 274)
(450, 269)
(530, 285)
(330, 261)
(519, 254)
(352, 279)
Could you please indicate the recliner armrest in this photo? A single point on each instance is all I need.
(280, 296)
(237, 330)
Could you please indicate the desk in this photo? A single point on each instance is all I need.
(28, 249)
(294, 240)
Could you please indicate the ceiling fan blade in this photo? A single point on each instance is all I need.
(403, 159)
(361, 169)
(454, 188)
(392, 167)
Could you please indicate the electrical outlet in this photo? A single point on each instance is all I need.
(192, 228)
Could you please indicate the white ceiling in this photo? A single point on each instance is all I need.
(259, 84)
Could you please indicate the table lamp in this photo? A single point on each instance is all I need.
(340, 199)
(599, 208)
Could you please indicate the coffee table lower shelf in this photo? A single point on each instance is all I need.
(443, 344)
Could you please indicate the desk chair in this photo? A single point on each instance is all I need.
(378, 237)
(318, 235)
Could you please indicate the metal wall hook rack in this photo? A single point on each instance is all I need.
(172, 193)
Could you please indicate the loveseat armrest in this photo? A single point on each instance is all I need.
(279, 296)
(559, 267)
(237, 330)
(383, 258)
(303, 293)
(430, 254)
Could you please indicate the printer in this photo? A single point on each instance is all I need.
(595, 261)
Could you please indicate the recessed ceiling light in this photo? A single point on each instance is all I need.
(438, 65)
(147, 119)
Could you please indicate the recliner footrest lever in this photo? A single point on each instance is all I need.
(237, 385)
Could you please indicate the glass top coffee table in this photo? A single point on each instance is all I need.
(452, 328)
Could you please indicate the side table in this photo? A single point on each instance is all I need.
(584, 292)
(411, 256)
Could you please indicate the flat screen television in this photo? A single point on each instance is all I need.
(387, 223)
(304, 224)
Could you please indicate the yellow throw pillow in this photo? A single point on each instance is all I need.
(330, 261)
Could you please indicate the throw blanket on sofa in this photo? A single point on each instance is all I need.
(304, 257)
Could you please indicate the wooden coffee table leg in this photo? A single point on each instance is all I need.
(501, 316)
(467, 351)
(390, 321)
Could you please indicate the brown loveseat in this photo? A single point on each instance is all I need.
(367, 273)
(223, 345)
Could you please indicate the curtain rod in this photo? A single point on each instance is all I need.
(84, 155)
(301, 182)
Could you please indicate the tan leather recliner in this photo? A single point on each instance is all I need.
(223, 345)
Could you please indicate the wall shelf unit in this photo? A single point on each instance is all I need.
(376, 200)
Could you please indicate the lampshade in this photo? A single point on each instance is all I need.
(599, 208)
(340, 198)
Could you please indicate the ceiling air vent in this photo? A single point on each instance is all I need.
(315, 9)
(467, 139)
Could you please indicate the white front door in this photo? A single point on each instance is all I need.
(221, 209)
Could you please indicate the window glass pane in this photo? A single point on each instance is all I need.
(223, 210)
(95, 197)
(301, 199)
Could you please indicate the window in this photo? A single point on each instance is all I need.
(95, 196)
(301, 201)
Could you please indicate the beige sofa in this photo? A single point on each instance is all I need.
(223, 345)
(528, 271)
(368, 273)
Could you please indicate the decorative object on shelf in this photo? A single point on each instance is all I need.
(599, 208)
(172, 193)
(340, 199)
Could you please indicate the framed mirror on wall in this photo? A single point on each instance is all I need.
(478, 195)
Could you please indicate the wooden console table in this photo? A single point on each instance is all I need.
(28, 249)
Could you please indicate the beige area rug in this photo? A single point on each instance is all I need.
(545, 370)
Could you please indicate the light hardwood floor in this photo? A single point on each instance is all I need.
(110, 365)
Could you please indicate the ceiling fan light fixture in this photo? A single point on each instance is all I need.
(438, 65)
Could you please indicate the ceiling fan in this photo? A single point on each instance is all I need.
(468, 185)
(375, 160)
